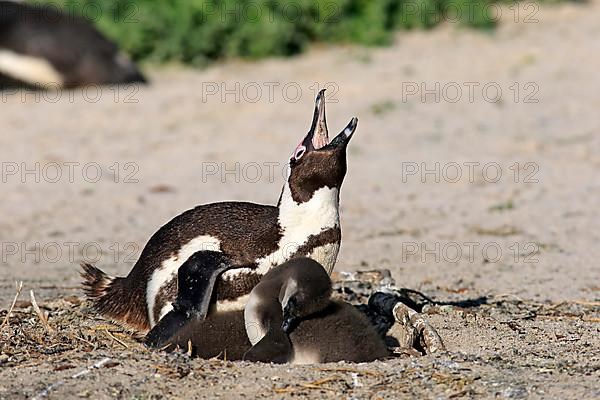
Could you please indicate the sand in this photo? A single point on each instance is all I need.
(514, 113)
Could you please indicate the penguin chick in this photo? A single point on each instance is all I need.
(290, 317)
(220, 335)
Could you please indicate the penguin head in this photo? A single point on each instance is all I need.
(305, 292)
(317, 161)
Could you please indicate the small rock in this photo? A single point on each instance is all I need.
(517, 392)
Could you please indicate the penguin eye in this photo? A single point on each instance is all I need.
(300, 150)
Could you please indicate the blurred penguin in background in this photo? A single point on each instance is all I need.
(44, 48)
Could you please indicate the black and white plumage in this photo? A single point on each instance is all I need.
(45, 48)
(290, 317)
(250, 238)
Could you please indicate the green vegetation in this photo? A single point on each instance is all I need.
(507, 205)
(201, 31)
(383, 107)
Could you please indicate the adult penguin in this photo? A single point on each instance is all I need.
(45, 48)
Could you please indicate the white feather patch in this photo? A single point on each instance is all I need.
(254, 328)
(234, 273)
(168, 269)
(165, 310)
(291, 287)
(31, 70)
(232, 305)
(299, 221)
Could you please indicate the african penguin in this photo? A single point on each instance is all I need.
(42, 47)
(290, 317)
(229, 246)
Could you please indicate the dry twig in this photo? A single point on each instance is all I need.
(41, 315)
(19, 286)
(115, 339)
(314, 384)
(348, 369)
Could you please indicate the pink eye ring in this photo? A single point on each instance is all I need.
(300, 150)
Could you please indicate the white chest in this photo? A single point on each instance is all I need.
(300, 221)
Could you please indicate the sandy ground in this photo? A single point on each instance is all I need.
(129, 159)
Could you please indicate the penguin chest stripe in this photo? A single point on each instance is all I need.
(168, 271)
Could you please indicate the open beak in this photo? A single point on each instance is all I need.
(344, 136)
(318, 135)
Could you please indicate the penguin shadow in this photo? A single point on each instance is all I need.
(417, 300)
(467, 303)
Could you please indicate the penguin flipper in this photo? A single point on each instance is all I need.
(274, 347)
(196, 279)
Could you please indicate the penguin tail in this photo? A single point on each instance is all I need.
(112, 298)
(95, 282)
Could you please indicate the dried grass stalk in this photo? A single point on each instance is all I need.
(41, 315)
(19, 286)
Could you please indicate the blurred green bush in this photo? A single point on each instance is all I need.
(201, 31)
